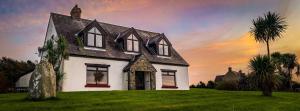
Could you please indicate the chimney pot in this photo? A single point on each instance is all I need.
(229, 69)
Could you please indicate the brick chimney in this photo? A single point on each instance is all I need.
(75, 12)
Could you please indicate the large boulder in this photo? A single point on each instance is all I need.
(42, 84)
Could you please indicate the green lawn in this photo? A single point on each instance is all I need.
(195, 99)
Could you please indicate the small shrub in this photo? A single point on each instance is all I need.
(201, 85)
(227, 85)
(192, 86)
(211, 84)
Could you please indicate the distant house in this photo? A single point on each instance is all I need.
(229, 76)
(23, 82)
(219, 78)
(127, 58)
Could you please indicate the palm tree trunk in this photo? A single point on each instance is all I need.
(266, 91)
(268, 48)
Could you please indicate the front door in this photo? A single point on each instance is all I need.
(140, 80)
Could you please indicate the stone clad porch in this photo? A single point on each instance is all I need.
(141, 74)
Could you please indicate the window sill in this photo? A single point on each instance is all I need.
(94, 48)
(173, 87)
(132, 52)
(166, 57)
(97, 85)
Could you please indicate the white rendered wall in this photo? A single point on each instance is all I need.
(182, 78)
(75, 75)
(24, 80)
(51, 31)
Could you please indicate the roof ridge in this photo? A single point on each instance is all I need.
(107, 23)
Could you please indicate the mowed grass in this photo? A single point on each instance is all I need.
(193, 100)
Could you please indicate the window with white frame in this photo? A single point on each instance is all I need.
(94, 38)
(132, 44)
(163, 48)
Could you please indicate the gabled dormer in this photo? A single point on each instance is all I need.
(160, 45)
(130, 41)
(94, 36)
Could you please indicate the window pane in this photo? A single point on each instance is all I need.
(171, 73)
(161, 42)
(92, 30)
(103, 80)
(90, 40)
(168, 80)
(91, 68)
(166, 50)
(160, 49)
(102, 69)
(97, 31)
(129, 45)
(98, 40)
(136, 46)
(164, 73)
(133, 37)
(90, 79)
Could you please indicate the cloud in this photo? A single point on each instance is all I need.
(213, 58)
(210, 34)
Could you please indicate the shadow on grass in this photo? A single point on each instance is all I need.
(39, 100)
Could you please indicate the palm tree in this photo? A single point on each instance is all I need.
(263, 70)
(289, 63)
(268, 28)
(277, 60)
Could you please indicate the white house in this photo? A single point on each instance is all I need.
(126, 58)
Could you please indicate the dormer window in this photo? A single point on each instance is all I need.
(163, 48)
(94, 38)
(132, 44)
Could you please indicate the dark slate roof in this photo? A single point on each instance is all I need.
(69, 27)
(154, 39)
(219, 78)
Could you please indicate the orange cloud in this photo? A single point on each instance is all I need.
(213, 58)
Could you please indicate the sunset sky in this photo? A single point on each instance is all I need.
(210, 34)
